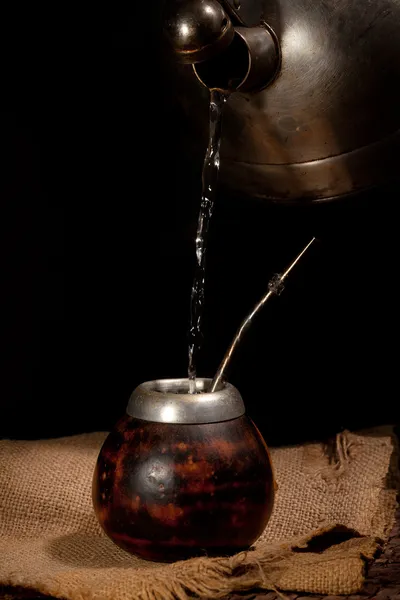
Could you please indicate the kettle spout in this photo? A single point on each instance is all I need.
(224, 56)
(249, 64)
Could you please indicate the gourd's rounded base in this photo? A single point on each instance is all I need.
(166, 553)
(167, 492)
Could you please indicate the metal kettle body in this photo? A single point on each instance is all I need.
(327, 124)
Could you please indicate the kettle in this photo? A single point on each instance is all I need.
(314, 91)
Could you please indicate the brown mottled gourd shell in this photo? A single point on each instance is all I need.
(171, 491)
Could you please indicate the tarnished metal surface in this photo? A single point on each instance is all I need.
(316, 180)
(328, 124)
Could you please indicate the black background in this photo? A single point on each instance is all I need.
(99, 202)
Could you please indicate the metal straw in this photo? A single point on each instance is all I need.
(275, 287)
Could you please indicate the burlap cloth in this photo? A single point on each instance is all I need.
(335, 504)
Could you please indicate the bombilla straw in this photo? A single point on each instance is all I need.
(275, 286)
